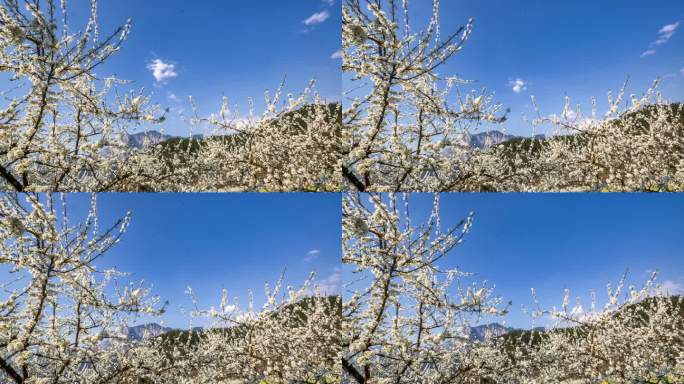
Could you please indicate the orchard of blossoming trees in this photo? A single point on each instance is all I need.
(407, 320)
(63, 320)
(64, 128)
(405, 121)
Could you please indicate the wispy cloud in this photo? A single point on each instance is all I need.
(172, 96)
(518, 85)
(664, 35)
(161, 70)
(681, 71)
(671, 288)
(317, 18)
(648, 52)
(330, 3)
(312, 255)
(670, 75)
(333, 283)
(666, 32)
(336, 55)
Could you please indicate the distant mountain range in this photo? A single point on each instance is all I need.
(491, 330)
(137, 140)
(146, 331)
(477, 333)
(487, 139)
(480, 140)
(481, 332)
(484, 139)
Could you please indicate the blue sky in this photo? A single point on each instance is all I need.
(556, 241)
(577, 48)
(233, 48)
(216, 241)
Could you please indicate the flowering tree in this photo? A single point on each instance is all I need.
(290, 339)
(407, 320)
(294, 147)
(636, 337)
(407, 125)
(61, 318)
(63, 128)
(405, 129)
(637, 147)
(60, 128)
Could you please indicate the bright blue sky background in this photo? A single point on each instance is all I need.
(233, 48)
(556, 241)
(580, 48)
(216, 241)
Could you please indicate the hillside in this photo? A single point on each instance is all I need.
(535, 144)
(192, 144)
(535, 336)
(191, 337)
(185, 342)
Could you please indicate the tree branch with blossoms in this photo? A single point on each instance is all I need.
(406, 319)
(61, 318)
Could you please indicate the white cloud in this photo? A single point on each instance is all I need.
(312, 255)
(664, 35)
(172, 96)
(317, 18)
(333, 283)
(336, 55)
(671, 288)
(161, 70)
(670, 28)
(517, 85)
(681, 71)
(648, 52)
(330, 3)
(666, 32)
